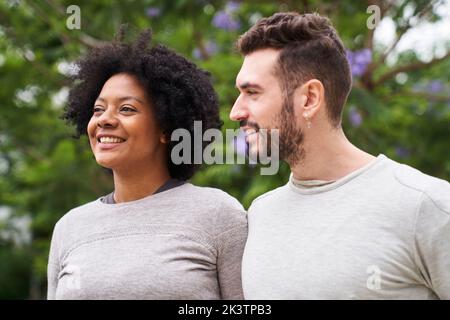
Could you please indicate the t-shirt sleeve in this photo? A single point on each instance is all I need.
(230, 245)
(432, 240)
(53, 267)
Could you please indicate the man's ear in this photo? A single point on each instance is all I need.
(315, 93)
(308, 99)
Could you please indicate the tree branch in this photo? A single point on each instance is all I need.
(409, 68)
(402, 31)
(198, 38)
(367, 78)
(425, 95)
(91, 41)
(384, 7)
(83, 38)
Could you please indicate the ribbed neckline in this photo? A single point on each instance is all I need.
(308, 184)
(339, 182)
(153, 196)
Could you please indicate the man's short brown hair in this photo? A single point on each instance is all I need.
(310, 49)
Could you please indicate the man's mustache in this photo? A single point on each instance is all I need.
(251, 124)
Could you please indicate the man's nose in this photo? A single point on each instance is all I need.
(239, 111)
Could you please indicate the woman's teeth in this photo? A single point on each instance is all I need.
(110, 140)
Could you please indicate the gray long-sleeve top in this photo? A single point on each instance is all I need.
(183, 243)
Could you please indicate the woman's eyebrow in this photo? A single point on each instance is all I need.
(130, 98)
(121, 99)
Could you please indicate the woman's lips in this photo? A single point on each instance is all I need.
(108, 146)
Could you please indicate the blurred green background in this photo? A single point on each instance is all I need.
(399, 105)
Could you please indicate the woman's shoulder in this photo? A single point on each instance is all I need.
(228, 211)
(79, 214)
(216, 196)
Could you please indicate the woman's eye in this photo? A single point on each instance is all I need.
(127, 109)
(98, 109)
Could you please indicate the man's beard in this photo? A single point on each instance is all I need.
(290, 138)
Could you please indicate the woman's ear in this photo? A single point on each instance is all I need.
(164, 138)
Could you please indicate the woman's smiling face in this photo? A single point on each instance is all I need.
(123, 131)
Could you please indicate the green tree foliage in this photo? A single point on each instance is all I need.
(400, 109)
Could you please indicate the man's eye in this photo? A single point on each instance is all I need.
(250, 93)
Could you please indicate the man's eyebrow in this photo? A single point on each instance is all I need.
(249, 85)
(122, 99)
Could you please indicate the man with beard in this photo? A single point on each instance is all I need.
(347, 225)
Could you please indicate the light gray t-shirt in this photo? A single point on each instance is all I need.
(381, 232)
(182, 243)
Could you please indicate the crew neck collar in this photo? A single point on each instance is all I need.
(337, 183)
(150, 197)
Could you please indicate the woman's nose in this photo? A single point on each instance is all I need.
(107, 119)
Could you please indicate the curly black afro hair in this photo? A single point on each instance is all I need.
(180, 92)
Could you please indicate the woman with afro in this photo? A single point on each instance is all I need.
(156, 236)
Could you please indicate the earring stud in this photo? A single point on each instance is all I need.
(308, 122)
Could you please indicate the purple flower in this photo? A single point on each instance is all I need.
(402, 152)
(359, 60)
(153, 12)
(210, 48)
(232, 6)
(197, 53)
(223, 20)
(355, 117)
(435, 86)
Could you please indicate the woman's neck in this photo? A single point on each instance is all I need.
(132, 184)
